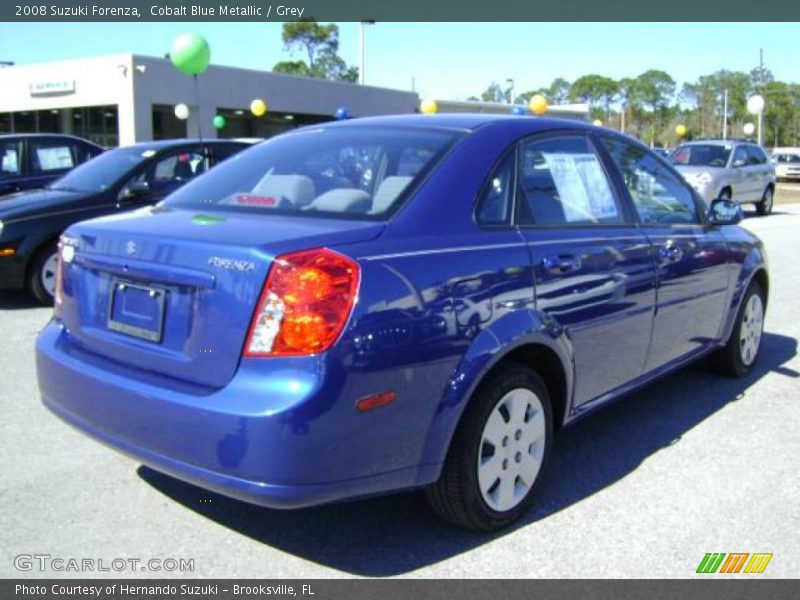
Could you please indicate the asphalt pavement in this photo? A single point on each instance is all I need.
(694, 464)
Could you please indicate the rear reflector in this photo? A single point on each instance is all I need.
(58, 295)
(376, 401)
(305, 304)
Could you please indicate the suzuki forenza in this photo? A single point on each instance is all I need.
(391, 303)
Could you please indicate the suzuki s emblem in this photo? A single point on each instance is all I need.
(130, 247)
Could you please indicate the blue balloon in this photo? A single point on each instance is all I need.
(341, 113)
(519, 110)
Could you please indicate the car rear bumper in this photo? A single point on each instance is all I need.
(274, 448)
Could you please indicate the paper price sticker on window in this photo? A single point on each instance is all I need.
(582, 187)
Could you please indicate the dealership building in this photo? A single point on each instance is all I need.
(127, 98)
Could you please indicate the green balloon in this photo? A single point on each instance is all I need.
(219, 121)
(190, 53)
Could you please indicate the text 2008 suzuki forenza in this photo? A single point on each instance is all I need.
(391, 303)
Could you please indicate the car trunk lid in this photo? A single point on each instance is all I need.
(172, 292)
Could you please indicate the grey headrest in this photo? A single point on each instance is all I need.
(388, 191)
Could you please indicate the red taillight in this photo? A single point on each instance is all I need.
(305, 304)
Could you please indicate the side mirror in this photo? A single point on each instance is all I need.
(725, 212)
(739, 163)
(135, 190)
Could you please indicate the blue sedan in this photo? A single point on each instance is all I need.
(391, 303)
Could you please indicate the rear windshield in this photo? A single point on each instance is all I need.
(346, 172)
(701, 155)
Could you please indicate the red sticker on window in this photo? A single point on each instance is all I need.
(251, 200)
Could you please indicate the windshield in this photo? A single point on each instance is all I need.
(787, 158)
(701, 155)
(102, 172)
(346, 172)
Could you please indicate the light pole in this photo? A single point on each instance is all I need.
(510, 83)
(362, 69)
(725, 115)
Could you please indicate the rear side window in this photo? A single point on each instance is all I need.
(495, 203)
(10, 158)
(347, 172)
(562, 182)
(660, 196)
(52, 155)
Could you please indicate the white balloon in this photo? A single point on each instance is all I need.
(748, 129)
(755, 104)
(182, 111)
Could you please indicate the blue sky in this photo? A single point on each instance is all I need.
(447, 60)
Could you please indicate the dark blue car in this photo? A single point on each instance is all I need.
(394, 303)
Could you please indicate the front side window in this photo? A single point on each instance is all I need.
(10, 158)
(660, 196)
(562, 182)
(756, 156)
(740, 157)
(171, 170)
(356, 171)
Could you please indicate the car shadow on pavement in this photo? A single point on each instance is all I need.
(17, 300)
(392, 535)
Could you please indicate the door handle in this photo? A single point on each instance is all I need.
(669, 252)
(563, 263)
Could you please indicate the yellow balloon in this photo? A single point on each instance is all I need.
(258, 107)
(429, 107)
(538, 104)
(681, 130)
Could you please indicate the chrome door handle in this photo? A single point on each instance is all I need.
(560, 264)
(669, 252)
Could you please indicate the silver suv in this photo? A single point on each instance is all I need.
(730, 169)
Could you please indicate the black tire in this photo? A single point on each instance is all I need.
(729, 360)
(35, 284)
(456, 497)
(764, 207)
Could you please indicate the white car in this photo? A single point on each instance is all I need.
(787, 163)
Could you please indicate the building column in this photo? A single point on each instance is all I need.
(65, 121)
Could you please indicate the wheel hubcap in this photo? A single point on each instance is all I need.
(751, 328)
(47, 276)
(768, 200)
(511, 449)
